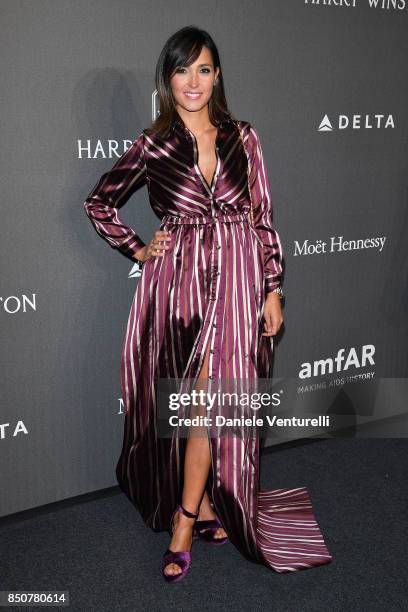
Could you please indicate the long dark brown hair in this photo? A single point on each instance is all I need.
(182, 49)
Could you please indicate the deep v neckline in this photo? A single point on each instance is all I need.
(209, 184)
(210, 187)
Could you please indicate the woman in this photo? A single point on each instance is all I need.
(206, 307)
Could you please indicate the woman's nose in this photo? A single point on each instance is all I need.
(193, 81)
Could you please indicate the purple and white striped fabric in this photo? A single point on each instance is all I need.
(206, 293)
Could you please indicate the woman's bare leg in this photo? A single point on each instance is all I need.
(197, 465)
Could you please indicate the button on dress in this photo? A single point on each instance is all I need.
(207, 291)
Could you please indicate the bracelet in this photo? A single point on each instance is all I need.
(279, 291)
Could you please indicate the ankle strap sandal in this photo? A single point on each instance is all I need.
(181, 558)
(206, 530)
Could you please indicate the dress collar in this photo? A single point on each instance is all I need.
(178, 121)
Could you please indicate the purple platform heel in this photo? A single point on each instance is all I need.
(206, 530)
(182, 558)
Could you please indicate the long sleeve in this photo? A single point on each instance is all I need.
(113, 190)
(262, 213)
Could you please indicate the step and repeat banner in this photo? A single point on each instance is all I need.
(324, 85)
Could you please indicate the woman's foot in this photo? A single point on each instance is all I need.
(181, 540)
(207, 514)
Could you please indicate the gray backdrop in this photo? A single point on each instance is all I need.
(78, 73)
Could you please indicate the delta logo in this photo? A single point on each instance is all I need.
(356, 122)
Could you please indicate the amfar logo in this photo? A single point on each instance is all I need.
(344, 121)
(325, 366)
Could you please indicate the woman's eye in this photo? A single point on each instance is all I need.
(206, 70)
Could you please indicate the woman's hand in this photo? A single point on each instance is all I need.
(272, 314)
(156, 246)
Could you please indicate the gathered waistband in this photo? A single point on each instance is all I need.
(203, 220)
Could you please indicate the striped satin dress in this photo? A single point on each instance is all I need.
(206, 293)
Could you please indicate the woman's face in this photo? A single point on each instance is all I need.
(192, 86)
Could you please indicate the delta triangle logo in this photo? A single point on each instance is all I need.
(325, 125)
(135, 272)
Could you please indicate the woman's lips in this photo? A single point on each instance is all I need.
(191, 95)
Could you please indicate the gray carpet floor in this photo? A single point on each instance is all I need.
(97, 547)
